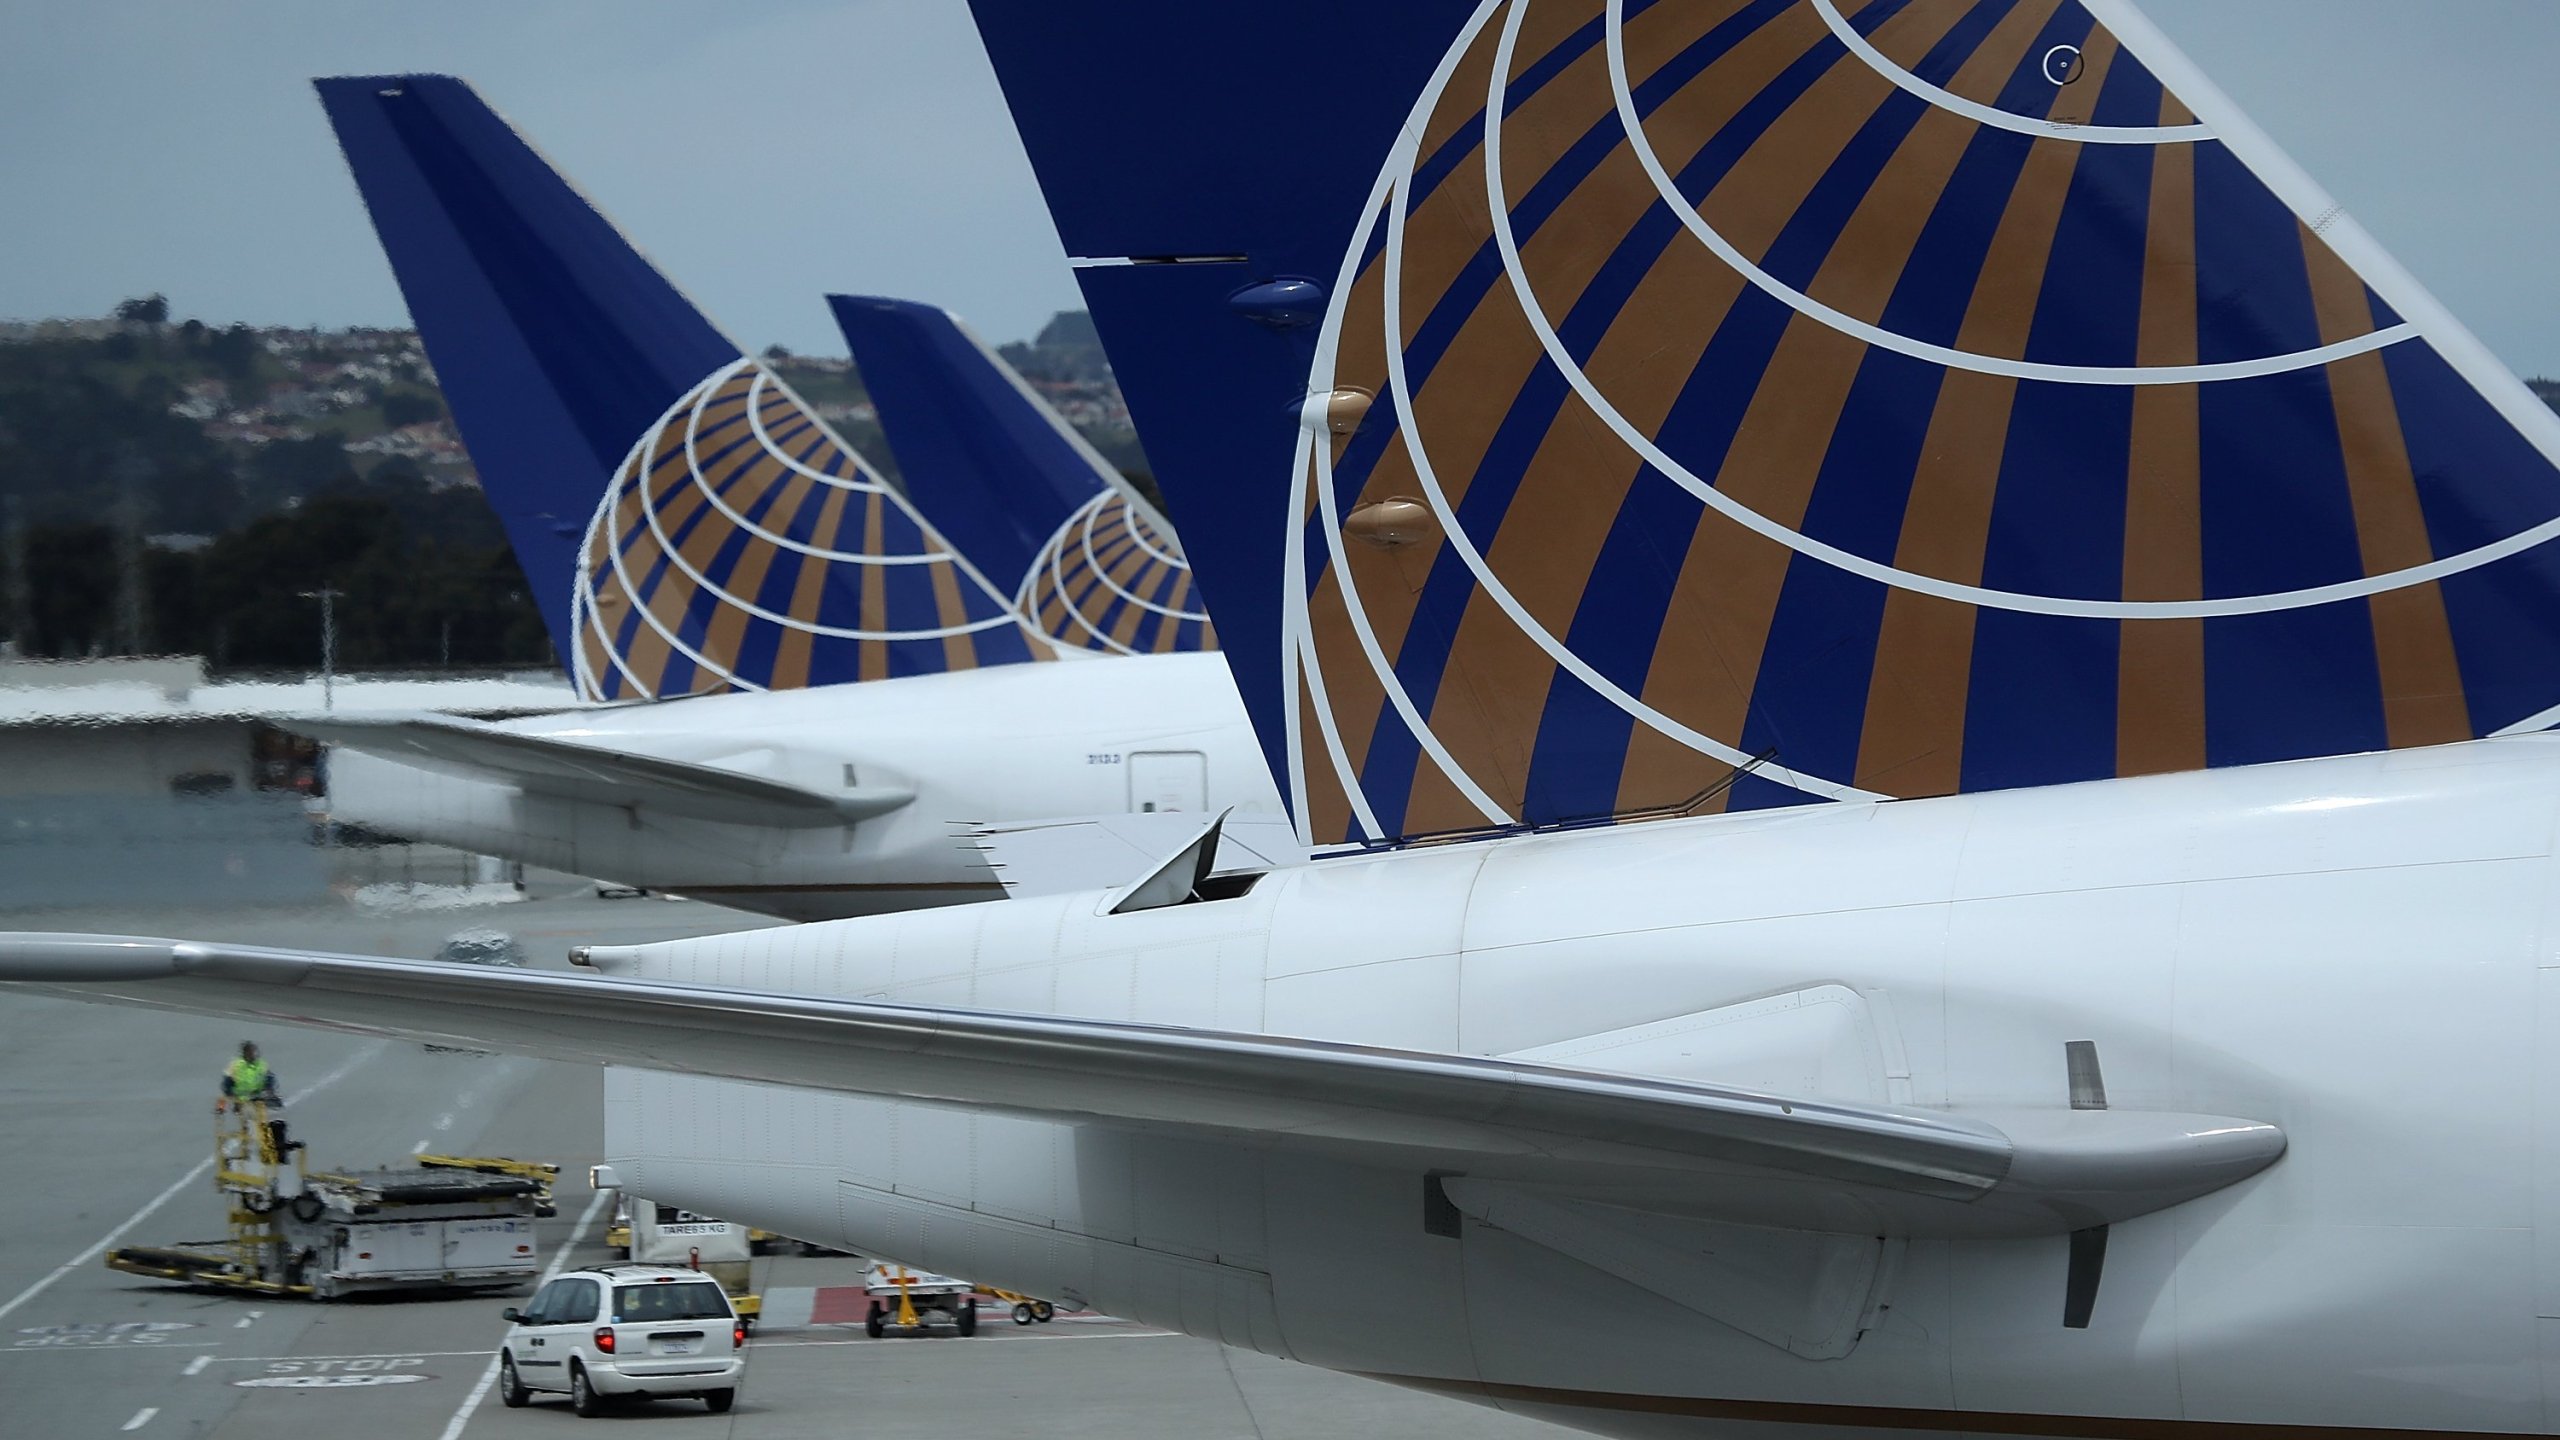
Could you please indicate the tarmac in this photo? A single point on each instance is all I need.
(107, 1122)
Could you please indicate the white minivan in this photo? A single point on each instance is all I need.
(650, 1331)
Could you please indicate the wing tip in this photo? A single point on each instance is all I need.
(49, 957)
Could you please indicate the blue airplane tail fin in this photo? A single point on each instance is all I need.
(1002, 474)
(688, 524)
(1592, 409)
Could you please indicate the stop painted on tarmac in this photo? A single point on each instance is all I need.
(338, 1374)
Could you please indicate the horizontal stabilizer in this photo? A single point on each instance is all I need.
(542, 764)
(1692, 1145)
(1102, 852)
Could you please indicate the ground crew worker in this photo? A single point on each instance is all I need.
(246, 1079)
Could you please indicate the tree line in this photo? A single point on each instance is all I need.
(126, 528)
(421, 578)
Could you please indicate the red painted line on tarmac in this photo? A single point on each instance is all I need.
(840, 1305)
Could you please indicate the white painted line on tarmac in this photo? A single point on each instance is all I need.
(418, 1149)
(194, 1173)
(93, 1252)
(489, 1377)
(1043, 1339)
(196, 1366)
(141, 1417)
(245, 1321)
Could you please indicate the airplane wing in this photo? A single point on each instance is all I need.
(1718, 1150)
(547, 765)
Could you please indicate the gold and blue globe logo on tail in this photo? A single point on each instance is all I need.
(742, 546)
(690, 526)
(1109, 581)
(1768, 401)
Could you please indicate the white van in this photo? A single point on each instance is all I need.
(648, 1331)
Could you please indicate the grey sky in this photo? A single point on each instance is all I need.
(764, 152)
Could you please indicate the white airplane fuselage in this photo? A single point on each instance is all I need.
(1010, 743)
(2364, 951)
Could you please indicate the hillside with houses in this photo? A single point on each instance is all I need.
(172, 486)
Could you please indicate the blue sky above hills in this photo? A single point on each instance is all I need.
(766, 152)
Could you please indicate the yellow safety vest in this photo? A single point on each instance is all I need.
(248, 1078)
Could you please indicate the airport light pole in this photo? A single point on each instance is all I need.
(328, 599)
